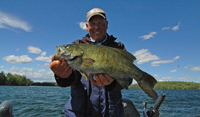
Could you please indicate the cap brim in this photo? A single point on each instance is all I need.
(95, 15)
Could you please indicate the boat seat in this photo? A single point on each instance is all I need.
(6, 109)
(129, 108)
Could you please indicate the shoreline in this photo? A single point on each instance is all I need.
(180, 85)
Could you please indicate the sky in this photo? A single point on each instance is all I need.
(163, 35)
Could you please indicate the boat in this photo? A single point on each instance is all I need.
(6, 108)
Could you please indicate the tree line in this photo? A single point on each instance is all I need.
(14, 80)
(43, 84)
(18, 80)
(173, 85)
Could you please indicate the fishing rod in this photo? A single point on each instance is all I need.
(153, 111)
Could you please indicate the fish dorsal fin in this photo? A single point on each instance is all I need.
(125, 54)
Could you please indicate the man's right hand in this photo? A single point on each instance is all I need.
(60, 67)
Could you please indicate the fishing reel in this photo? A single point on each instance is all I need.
(153, 111)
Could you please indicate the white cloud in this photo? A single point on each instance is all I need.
(195, 68)
(175, 28)
(31, 73)
(82, 25)
(44, 58)
(34, 50)
(1, 66)
(186, 78)
(143, 56)
(9, 22)
(165, 79)
(145, 37)
(43, 74)
(192, 68)
(155, 75)
(158, 78)
(43, 54)
(18, 59)
(173, 71)
(14, 69)
(17, 49)
(156, 63)
(165, 28)
(44, 65)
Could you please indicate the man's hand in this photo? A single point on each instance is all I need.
(60, 67)
(101, 79)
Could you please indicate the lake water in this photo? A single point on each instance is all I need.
(39, 101)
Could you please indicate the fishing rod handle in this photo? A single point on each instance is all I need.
(159, 102)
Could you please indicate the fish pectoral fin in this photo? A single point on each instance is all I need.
(123, 82)
(87, 62)
(147, 83)
(85, 76)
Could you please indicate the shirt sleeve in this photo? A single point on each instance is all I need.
(65, 82)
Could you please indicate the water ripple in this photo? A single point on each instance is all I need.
(49, 101)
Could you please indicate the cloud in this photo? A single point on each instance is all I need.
(145, 37)
(143, 56)
(42, 57)
(44, 65)
(14, 69)
(18, 59)
(158, 78)
(195, 68)
(173, 71)
(31, 73)
(9, 22)
(156, 63)
(34, 50)
(165, 28)
(43, 54)
(192, 68)
(175, 28)
(1, 66)
(155, 75)
(82, 25)
(186, 78)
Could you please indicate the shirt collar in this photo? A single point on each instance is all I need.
(98, 43)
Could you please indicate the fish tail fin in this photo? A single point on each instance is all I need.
(147, 83)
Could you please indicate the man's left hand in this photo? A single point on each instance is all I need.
(101, 79)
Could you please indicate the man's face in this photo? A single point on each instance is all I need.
(97, 28)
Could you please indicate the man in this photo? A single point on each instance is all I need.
(101, 96)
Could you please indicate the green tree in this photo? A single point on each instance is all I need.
(174, 85)
(11, 80)
(16, 80)
(2, 78)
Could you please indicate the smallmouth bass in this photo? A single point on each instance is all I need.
(117, 63)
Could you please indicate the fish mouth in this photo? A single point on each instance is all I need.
(66, 57)
(74, 58)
